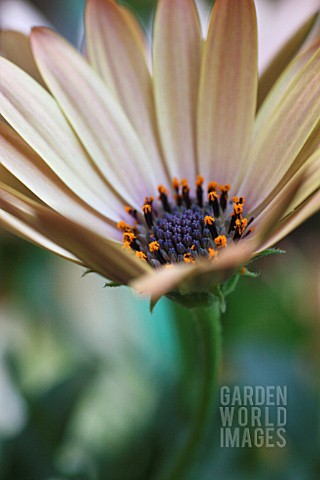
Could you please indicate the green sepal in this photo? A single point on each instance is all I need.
(87, 272)
(247, 273)
(153, 304)
(220, 297)
(112, 284)
(230, 285)
(267, 252)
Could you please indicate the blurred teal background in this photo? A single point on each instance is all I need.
(90, 384)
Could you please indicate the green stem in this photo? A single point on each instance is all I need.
(207, 321)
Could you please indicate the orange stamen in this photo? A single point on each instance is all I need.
(154, 246)
(221, 241)
(123, 226)
(141, 256)
(208, 220)
(213, 186)
(212, 196)
(212, 252)
(188, 258)
(199, 181)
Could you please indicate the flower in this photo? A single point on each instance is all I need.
(163, 174)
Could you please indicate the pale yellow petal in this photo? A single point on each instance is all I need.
(15, 46)
(96, 116)
(93, 250)
(10, 180)
(279, 140)
(296, 218)
(197, 277)
(228, 89)
(303, 184)
(15, 226)
(307, 33)
(176, 67)
(29, 168)
(283, 83)
(34, 114)
(117, 53)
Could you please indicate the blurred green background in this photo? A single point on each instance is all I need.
(90, 383)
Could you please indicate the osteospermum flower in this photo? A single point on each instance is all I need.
(167, 171)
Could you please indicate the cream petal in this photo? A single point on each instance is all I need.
(280, 139)
(10, 180)
(228, 89)
(310, 172)
(283, 82)
(307, 155)
(266, 222)
(117, 52)
(93, 250)
(15, 226)
(186, 278)
(292, 221)
(96, 116)
(29, 168)
(138, 33)
(303, 37)
(176, 66)
(34, 114)
(15, 46)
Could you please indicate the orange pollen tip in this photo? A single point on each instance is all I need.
(212, 196)
(213, 186)
(184, 182)
(212, 252)
(199, 181)
(175, 183)
(162, 189)
(154, 246)
(188, 258)
(130, 210)
(128, 237)
(208, 220)
(225, 188)
(123, 226)
(126, 246)
(241, 225)
(238, 208)
(141, 256)
(221, 241)
(147, 208)
(240, 200)
(243, 271)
